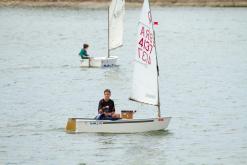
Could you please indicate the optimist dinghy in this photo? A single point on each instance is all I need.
(116, 12)
(145, 88)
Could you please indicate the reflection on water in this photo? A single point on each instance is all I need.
(203, 86)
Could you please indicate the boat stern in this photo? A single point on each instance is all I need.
(71, 125)
(84, 63)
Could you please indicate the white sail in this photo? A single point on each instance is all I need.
(116, 15)
(145, 77)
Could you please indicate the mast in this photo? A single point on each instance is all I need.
(157, 65)
(108, 52)
(159, 115)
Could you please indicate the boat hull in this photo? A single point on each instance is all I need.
(99, 62)
(80, 125)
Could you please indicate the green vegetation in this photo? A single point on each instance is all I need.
(129, 3)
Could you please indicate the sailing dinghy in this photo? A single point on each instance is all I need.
(116, 12)
(145, 89)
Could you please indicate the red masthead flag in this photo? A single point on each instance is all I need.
(156, 23)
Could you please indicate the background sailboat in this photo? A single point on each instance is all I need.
(116, 13)
(145, 88)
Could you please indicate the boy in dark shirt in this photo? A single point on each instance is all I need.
(107, 107)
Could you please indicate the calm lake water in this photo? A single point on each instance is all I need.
(203, 86)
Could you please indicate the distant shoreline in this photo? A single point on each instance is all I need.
(104, 3)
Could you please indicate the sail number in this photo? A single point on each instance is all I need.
(95, 123)
(145, 45)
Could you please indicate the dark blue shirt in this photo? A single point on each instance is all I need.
(106, 106)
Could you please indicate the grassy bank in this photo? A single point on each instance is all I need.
(129, 3)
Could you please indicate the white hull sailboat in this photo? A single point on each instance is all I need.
(145, 89)
(116, 12)
(98, 62)
(77, 125)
